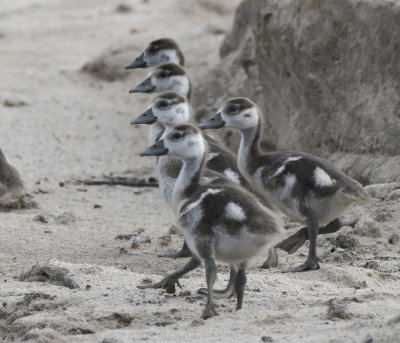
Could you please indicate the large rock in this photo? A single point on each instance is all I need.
(326, 75)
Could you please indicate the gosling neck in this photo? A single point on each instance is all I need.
(190, 177)
(249, 149)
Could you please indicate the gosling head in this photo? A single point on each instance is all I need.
(157, 52)
(169, 109)
(166, 77)
(238, 113)
(182, 141)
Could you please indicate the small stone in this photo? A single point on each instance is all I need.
(337, 310)
(96, 206)
(346, 242)
(173, 230)
(383, 216)
(368, 227)
(215, 30)
(197, 322)
(371, 265)
(164, 323)
(55, 218)
(266, 339)
(147, 281)
(123, 250)
(148, 296)
(61, 184)
(123, 237)
(185, 293)
(123, 8)
(14, 103)
(361, 285)
(394, 195)
(165, 240)
(394, 238)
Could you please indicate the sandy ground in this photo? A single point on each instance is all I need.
(74, 126)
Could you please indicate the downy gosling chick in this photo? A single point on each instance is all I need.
(223, 223)
(157, 52)
(308, 189)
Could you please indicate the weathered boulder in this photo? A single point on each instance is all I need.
(326, 75)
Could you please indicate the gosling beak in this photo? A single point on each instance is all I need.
(145, 87)
(147, 117)
(157, 149)
(215, 122)
(137, 63)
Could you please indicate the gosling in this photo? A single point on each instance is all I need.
(223, 223)
(308, 189)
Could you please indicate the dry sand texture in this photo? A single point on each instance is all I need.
(73, 278)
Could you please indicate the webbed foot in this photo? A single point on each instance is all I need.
(219, 293)
(209, 312)
(310, 264)
(271, 261)
(168, 283)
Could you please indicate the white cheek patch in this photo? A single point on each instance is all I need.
(179, 84)
(182, 113)
(233, 176)
(169, 56)
(235, 212)
(193, 147)
(251, 120)
(322, 179)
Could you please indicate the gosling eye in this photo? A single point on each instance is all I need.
(153, 49)
(163, 104)
(177, 135)
(233, 108)
(163, 74)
